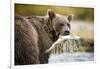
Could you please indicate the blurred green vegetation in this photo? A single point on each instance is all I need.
(80, 13)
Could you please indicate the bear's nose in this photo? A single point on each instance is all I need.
(66, 32)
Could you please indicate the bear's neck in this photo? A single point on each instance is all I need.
(46, 24)
(49, 29)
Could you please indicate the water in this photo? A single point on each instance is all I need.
(71, 57)
(66, 49)
(68, 43)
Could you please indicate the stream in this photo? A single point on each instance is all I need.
(71, 57)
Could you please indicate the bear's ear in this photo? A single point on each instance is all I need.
(70, 17)
(51, 14)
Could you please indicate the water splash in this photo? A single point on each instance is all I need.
(66, 49)
(68, 43)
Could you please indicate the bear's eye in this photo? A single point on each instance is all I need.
(61, 24)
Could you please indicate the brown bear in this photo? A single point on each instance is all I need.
(35, 34)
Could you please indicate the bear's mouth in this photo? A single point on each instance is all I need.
(66, 33)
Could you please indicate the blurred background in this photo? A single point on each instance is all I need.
(78, 12)
(81, 25)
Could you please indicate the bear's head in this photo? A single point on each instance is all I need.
(60, 23)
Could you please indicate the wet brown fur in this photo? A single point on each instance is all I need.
(31, 41)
